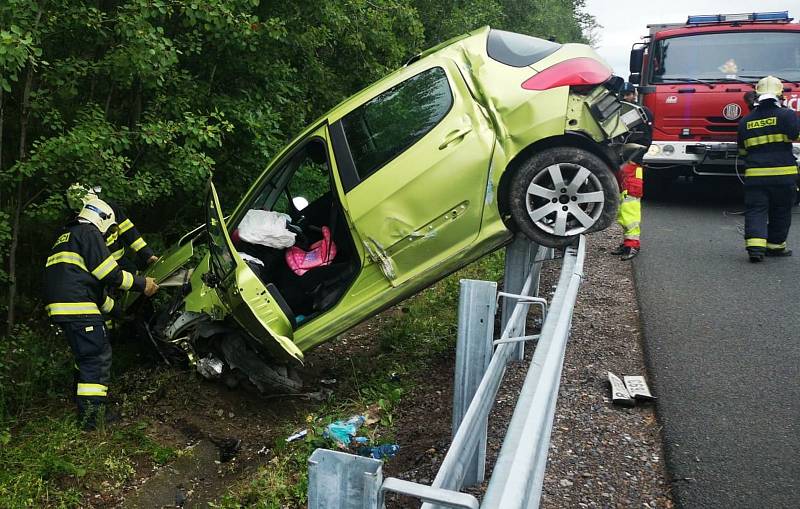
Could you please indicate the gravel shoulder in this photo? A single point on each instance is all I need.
(603, 455)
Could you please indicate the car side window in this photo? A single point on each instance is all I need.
(388, 124)
(306, 174)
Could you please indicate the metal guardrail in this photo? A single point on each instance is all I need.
(343, 481)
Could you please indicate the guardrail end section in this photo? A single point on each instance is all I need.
(338, 480)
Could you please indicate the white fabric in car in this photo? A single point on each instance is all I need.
(252, 259)
(266, 228)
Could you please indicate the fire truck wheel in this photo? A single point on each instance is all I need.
(560, 193)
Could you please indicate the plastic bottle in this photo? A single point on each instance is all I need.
(384, 451)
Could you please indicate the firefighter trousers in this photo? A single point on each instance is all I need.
(629, 216)
(92, 350)
(767, 216)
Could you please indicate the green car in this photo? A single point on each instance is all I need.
(432, 167)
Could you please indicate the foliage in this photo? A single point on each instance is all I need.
(32, 363)
(50, 462)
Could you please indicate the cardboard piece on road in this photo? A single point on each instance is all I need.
(619, 394)
(637, 388)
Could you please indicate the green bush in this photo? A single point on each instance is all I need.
(33, 363)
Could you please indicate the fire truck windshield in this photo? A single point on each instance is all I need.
(730, 56)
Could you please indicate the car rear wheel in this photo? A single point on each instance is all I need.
(560, 193)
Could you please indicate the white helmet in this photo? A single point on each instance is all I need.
(769, 87)
(99, 213)
(78, 195)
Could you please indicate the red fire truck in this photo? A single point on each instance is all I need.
(693, 76)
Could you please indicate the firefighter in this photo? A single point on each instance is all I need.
(77, 274)
(631, 183)
(765, 140)
(750, 100)
(126, 236)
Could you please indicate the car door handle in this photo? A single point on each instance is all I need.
(455, 136)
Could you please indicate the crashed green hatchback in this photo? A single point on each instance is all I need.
(408, 180)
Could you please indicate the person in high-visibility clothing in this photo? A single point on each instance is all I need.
(631, 183)
(765, 139)
(78, 272)
(126, 236)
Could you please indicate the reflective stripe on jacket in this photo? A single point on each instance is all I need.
(77, 272)
(127, 236)
(765, 139)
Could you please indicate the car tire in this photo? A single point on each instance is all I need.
(269, 378)
(561, 193)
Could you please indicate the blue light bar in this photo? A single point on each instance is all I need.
(771, 16)
(748, 16)
(711, 18)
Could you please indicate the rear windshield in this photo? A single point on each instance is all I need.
(518, 50)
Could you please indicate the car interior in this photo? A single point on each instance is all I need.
(303, 190)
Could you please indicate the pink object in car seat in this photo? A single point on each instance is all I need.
(321, 253)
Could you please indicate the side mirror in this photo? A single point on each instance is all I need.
(635, 78)
(637, 58)
(299, 203)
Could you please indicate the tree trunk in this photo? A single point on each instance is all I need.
(19, 205)
(136, 107)
(18, 202)
(108, 101)
(2, 117)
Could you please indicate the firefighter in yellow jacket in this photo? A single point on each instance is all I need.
(78, 273)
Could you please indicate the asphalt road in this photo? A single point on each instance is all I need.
(722, 341)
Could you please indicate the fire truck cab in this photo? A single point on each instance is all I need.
(693, 76)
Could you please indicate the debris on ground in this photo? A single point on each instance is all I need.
(343, 432)
(297, 435)
(377, 452)
(619, 393)
(637, 388)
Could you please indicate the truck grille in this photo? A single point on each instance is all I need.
(723, 125)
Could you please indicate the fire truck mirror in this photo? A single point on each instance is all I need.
(637, 57)
(635, 78)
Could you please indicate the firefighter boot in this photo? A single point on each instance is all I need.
(779, 252)
(756, 255)
(628, 253)
(619, 250)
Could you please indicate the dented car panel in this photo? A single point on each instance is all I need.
(404, 208)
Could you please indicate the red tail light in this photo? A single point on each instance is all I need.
(574, 72)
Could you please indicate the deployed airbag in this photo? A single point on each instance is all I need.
(266, 228)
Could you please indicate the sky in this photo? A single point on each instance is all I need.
(625, 22)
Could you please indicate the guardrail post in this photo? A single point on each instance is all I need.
(476, 309)
(519, 257)
(337, 480)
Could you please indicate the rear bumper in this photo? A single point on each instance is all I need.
(694, 153)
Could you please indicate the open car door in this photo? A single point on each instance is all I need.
(260, 311)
